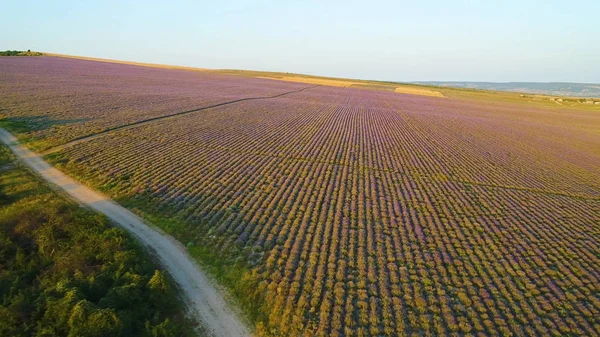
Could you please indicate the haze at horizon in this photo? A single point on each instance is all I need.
(531, 41)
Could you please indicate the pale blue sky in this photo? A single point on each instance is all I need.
(461, 40)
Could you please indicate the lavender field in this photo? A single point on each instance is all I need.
(80, 97)
(344, 212)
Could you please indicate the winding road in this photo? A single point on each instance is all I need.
(206, 303)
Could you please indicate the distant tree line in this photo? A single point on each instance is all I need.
(20, 53)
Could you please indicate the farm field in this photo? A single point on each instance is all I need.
(340, 211)
(107, 95)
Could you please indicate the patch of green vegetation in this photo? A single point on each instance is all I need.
(226, 265)
(5, 155)
(20, 53)
(65, 271)
(13, 125)
(22, 129)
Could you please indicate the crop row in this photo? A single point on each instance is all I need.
(62, 99)
(367, 213)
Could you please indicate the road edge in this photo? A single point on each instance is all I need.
(205, 300)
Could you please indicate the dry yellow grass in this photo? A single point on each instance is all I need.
(142, 64)
(345, 84)
(268, 77)
(418, 91)
(320, 81)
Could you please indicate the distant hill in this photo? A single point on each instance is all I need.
(553, 88)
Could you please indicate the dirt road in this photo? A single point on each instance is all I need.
(204, 300)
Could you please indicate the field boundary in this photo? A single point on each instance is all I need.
(145, 121)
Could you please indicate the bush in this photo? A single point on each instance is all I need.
(64, 271)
